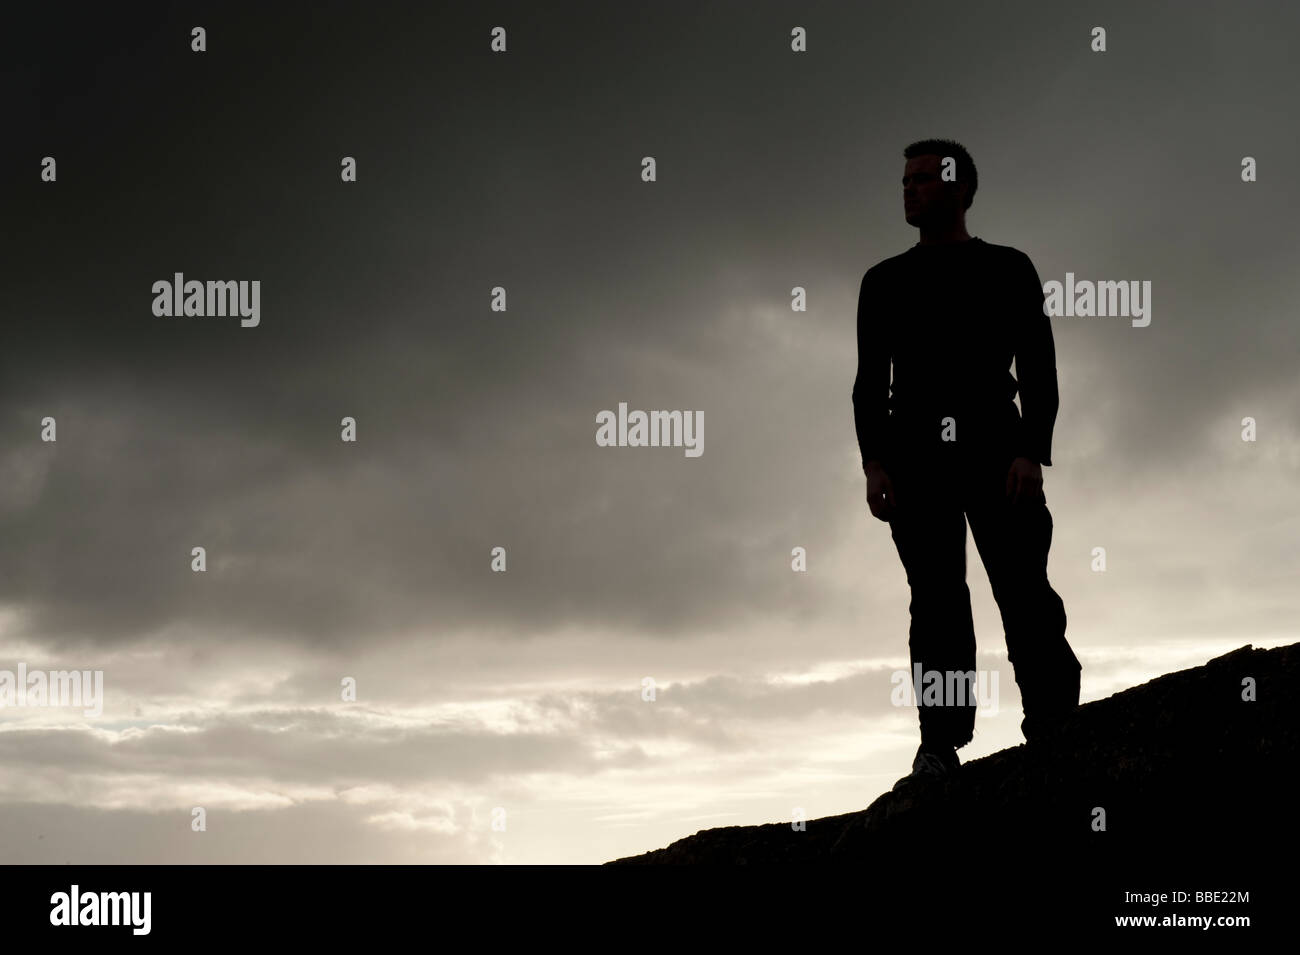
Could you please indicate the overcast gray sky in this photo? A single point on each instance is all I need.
(476, 428)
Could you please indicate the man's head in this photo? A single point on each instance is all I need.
(929, 200)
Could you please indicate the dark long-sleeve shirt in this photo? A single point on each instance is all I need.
(950, 318)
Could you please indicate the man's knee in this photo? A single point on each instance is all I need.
(1030, 606)
(936, 590)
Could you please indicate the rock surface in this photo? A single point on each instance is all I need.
(1185, 770)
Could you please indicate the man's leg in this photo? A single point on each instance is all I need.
(1013, 541)
(929, 530)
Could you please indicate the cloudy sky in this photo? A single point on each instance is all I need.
(522, 691)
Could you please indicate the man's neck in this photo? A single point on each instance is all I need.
(945, 235)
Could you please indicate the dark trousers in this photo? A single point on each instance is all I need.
(937, 490)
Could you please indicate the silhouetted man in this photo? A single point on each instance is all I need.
(946, 444)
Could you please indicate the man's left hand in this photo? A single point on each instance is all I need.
(1025, 481)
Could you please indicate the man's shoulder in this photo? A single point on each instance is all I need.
(889, 266)
(1006, 253)
(898, 266)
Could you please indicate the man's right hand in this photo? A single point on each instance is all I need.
(880, 492)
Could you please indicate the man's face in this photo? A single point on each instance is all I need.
(927, 199)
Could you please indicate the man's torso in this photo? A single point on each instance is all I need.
(951, 344)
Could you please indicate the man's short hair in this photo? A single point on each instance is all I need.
(947, 147)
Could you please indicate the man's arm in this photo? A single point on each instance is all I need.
(1035, 365)
(871, 387)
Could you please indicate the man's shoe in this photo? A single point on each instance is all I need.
(1042, 727)
(933, 764)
